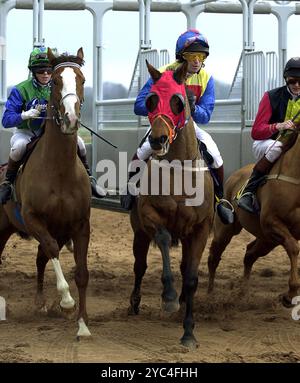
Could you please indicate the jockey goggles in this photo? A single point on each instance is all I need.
(48, 70)
(293, 81)
(192, 56)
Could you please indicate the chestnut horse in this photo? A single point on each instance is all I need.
(277, 224)
(166, 219)
(52, 194)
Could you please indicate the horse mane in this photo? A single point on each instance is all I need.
(65, 57)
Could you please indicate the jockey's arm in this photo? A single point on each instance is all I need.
(13, 109)
(262, 129)
(140, 105)
(205, 105)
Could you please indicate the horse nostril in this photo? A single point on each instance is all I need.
(158, 142)
(163, 139)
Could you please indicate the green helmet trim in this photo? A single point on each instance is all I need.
(38, 57)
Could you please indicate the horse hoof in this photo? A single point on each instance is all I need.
(83, 330)
(133, 310)
(210, 288)
(190, 342)
(171, 306)
(286, 301)
(43, 310)
(68, 313)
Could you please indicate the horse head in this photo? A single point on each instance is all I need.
(67, 89)
(166, 104)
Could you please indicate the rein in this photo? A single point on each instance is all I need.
(280, 176)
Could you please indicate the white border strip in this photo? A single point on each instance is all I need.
(67, 63)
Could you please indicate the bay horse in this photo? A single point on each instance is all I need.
(277, 224)
(166, 219)
(52, 193)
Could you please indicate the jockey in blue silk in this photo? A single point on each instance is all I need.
(192, 47)
(26, 109)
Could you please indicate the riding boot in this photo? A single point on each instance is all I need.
(6, 186)
(126, 198)
(224, 208)
(97, 190)
(248, 200)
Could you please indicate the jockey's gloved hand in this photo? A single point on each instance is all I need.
(31, 113)
(191, 99)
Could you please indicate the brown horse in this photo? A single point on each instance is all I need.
(277, 224)
(52, 191)
(166, 219)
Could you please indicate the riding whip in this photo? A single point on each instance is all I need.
(96, 134)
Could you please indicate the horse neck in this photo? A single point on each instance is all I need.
(185, 146)
(58, 148)
(291, 161)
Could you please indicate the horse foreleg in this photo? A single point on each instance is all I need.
(81, 243)
(141, 244)
(222, 237)
(170, 301)
(41, 262)
(50, 247)
(255, 249)
(278, 231)
(6, 230)
(192, 249)
(292, 248)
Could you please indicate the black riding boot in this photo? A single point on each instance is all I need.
(6, 185)
(126, 198)
(223, 206)
(248, 200)
(97, 191)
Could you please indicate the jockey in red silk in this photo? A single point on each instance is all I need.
(192, 47)
(26, 109)
(276, 112)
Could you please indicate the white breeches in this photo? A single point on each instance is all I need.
(145, 151)
(270, 148)
(21, 139)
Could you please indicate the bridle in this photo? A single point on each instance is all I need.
(173, 129)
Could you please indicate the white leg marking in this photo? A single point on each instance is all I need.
(67, 302)
(83, 330)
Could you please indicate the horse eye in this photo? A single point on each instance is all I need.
(177, 103)
(152, 101)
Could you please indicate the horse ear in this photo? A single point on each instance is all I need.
(154, 73)
(80, 53)
(180, 73)
(50, 55)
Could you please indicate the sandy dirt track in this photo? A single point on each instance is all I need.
(229, 327)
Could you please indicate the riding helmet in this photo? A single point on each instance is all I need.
(292, 68)
(191, 41)
(38, 58)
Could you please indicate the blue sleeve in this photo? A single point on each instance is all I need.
(205, 105)
(139, 105)
(13, 109)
